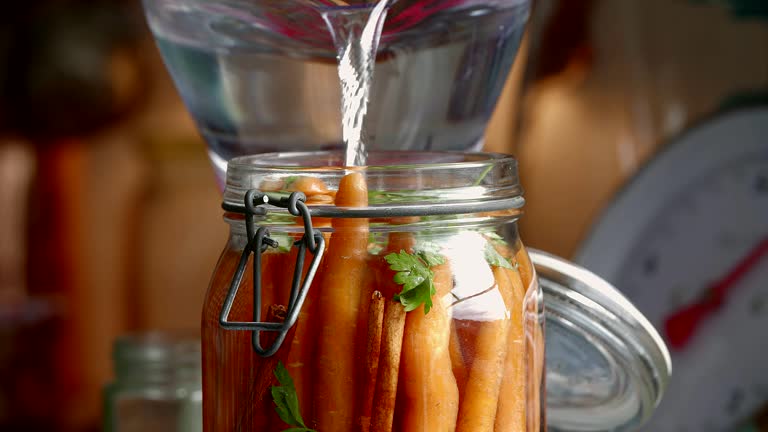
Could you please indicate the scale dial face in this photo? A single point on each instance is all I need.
(686, 222)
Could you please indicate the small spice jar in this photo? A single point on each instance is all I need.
(157, 384)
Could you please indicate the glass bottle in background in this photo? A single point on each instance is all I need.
(609, 83)
(157, 386)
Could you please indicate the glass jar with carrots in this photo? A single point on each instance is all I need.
(392, 297)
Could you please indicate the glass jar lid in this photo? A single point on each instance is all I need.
(606, 366)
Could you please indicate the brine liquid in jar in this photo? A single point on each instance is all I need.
(426, 320)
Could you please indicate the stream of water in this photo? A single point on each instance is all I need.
(356, 33)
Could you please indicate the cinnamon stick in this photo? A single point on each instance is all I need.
(389, 368)
(373, 348)
(362, 337)
(385, 394)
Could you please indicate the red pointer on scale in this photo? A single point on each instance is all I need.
(682, 324)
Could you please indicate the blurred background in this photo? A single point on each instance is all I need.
(110, 216)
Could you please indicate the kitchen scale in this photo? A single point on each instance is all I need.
(687, 242)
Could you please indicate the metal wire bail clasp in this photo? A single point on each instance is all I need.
(258, 242)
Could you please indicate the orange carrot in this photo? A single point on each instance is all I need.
(338, 304)
(317, 194)
(477, 411)
(320, 199)
(458, 362)
(534, 339)
(429, 387)
(534, 354)
(309, 186)
(512, 396)
(524, 266)
(466, 332)
(535, 363)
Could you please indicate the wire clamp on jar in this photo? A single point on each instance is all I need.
(258, 243)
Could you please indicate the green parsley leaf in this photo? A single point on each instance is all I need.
(432, 259)
(288, 181)
(375, 243)
(284, 241)
(429, 248)
(494, 258)
(421, 294)
(483, 174)
(414, 274)
(495, 237)
(382, 197)
(286, 400)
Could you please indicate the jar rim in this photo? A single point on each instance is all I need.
(441, 181)
(333, 160)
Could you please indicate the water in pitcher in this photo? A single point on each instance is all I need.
(262, 75)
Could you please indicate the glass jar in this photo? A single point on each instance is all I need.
(415, 306)
(157, 384)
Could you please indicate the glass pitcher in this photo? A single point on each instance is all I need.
(261, 76)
